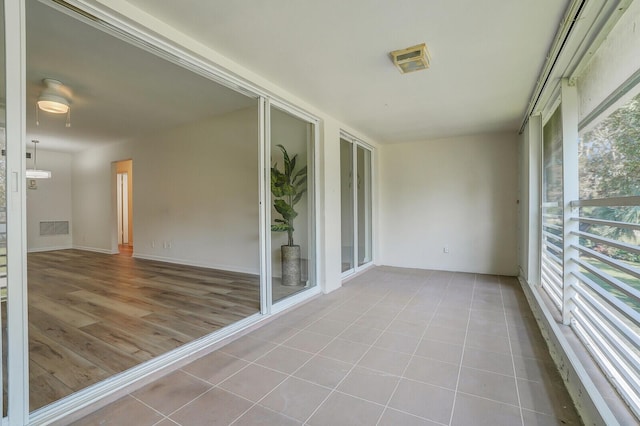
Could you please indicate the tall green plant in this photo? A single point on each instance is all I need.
(287, 186)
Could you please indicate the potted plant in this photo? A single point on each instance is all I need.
(288, 186)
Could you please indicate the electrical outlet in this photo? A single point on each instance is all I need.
(445, 249)
(153, 244)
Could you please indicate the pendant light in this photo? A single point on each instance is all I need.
(55, 98)
(35, 173)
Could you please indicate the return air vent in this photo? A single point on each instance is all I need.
(54, 227)
(411, 59)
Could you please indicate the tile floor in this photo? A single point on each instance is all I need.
(392, 347)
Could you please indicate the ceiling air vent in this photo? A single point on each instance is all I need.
(411, 59)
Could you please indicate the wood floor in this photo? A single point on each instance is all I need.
(93, 315)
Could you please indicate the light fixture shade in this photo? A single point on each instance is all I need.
(38, 174)
(54, 98)
(411, 59)
(54, 104)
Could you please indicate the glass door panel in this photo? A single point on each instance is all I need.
(346, 200)
(356, 205)
(195, 264)
(292, 224)
(363, 192)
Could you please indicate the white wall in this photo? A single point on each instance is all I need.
(51, 201)
(195, 194)
(458, 193)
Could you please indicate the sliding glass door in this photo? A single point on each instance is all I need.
(218, 239)
(356, 202)
(292, 203)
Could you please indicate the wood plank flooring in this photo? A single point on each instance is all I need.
(94, 315)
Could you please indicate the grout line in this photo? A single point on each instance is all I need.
(416, 349)
(364, 354)
(306, 362)
(464, 346)
(513, 362)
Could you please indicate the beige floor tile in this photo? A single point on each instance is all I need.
(482, 314)
(433, 372)
(393, 417)
(488, 385)
(253, 382)
(534, 369)
(120, 412)
(450, 335)
(216, 407)
(345, 350)
(343, 315)
(166, 422)
(344, 410)
(273, 333)
(374, 386)
(413, 329)
(361, 334)
(295, 398)
(485, 326)
(397, 342)
(171, 392)
(215, 367)
(308, 342)
(261, 416)
(471, 410)
(384, 360)
(328, 327)
(388, 308)
(284, 359)
(488, 342)
(488, 361)
(440, 351)
(324, 371)
(248, 348)
(547, 398)
(423, 400)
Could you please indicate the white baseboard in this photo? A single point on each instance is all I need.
(230, 268)
(53, 248)
(95, 249)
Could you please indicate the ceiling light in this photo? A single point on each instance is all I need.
(35, 173)
(55, 99)
(411, 59)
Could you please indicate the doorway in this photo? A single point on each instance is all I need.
(124, 206)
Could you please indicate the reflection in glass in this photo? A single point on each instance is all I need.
(346, 202)
(292, 237)
(195, 262)
(552, 206)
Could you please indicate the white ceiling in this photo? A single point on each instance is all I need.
(486, 56)
(120, 92)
